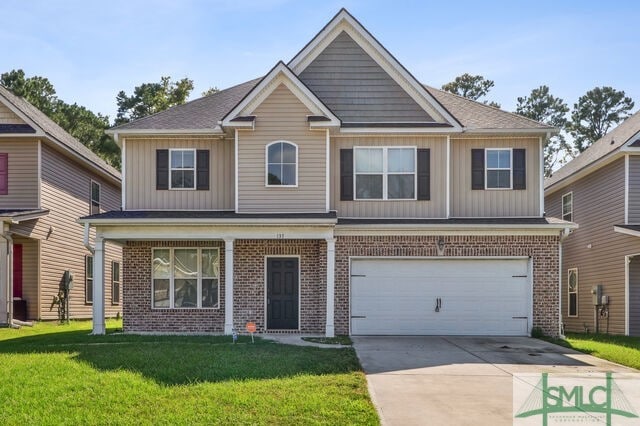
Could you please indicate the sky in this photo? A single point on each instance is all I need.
(92, 49)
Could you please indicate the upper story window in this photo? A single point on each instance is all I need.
(498, 168)
(180, 169)
(183, 168)
(282, 164)
(385, 173)
(95, 198)
(567, 207)
(4, 173)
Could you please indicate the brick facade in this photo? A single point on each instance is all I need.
(137, 312)
(249, 278)
(249, 287)
(542, 249)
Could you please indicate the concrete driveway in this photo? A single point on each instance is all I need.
(459, 380)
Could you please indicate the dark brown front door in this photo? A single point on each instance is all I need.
(282, 293)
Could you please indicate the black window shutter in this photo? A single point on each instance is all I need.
(162, 169)
(346, 174)
(202, 167)
(519, 169)
(477, 169)
(424, 174)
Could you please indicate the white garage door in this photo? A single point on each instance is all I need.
(440, 296)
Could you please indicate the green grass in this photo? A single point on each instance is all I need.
(623, 350)
(58, 374)
(338, 340)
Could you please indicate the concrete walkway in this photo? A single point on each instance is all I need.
(459, 380)
(296, 339)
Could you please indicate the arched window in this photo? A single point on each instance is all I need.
(282, 164)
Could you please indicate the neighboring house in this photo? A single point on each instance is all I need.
(47, 181)
(600, 191)
(334, 195)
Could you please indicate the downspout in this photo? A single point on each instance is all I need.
(85, 240)
(9, 240)
(564, 234)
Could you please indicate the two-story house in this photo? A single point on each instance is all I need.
(600, 191)
(47, 181)
(336, 194)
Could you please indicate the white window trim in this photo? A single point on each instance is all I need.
(562, 201)
(266, 165)
(569, 292)
(385, 173)
(172, 279)
(486, 169)
(91, 196)
(113, 281)
(86, 280)
(195, 169)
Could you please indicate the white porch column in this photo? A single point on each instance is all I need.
(228, 285)
(331, 273)
(98, 287)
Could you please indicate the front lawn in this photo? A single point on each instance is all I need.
(623, 350)
(60, 375)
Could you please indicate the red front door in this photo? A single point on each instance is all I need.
(17, 270)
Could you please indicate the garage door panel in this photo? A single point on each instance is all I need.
(398, 296)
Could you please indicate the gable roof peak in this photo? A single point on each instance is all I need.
(279, 74)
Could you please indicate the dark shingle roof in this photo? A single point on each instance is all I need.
(16, 128)
(454, 221)
(201, 113)
(56, 132)
(204, 113)
(475, 115)
(609, 143)
(203, 214)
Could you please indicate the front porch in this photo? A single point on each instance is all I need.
(214, 278)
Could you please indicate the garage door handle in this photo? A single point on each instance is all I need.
(358, 316)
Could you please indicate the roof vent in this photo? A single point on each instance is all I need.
(613, 141)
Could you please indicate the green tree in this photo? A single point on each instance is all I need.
(471, 87)
(78, 121)
(210, 91)
(150, 98)
(545, 108)
(596, 113)
(38, 91)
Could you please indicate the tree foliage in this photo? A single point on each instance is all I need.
(543, 107)
(210, 91)
(78, 121)
(471, 87)
(597, 112)
(150, 98)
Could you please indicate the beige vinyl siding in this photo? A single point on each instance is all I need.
(598, 205)
(434, 208)
(30, 271)
(634, 189)
(23, 173)
(9, 117)
(466, 202)
(356, 88)
(282, 116)
(66, 187)
(141, 192)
